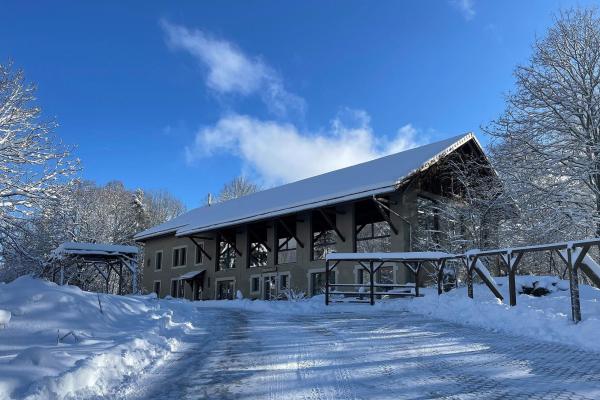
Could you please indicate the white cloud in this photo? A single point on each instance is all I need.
(278, 152)
(230, 71)
(466, 7)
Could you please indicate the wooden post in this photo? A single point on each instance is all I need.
(120, 278)
(372, 282)
(62, 275)
(574, 284)
(326, 283)
(469, 278)
(440, 267)
(108, 276)
(418, 267)
(512, 284)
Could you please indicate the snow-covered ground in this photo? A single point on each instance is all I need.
(105, 348)
(137, 341)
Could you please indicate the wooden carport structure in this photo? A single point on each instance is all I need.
(71, 260)
(574, 254)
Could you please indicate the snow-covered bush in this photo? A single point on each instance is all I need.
(292, 294)
(4, 318)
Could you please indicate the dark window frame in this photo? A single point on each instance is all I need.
(372, 236)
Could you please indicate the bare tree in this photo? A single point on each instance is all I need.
(32, 164)
(237, 187)
(547, 143)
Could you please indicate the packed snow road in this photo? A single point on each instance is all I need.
(365, 356)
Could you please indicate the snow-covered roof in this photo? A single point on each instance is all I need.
(382, 175)
(102, 249)
(191, 274)
(406, 256)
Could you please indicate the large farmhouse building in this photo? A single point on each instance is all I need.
(264, 243)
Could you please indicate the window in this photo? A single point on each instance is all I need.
(286, 243)
(157, 287)
(427, 232)
(317, 282)
(373, 237)
(323, 243)
(148, 262)
(159, 260)
(286, 251)
(226, 255)
(258, 255)
(255, 284)
(283, 282)
(199, 255)
(173, 288)
(179, 257)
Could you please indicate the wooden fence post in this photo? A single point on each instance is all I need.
(326, 283)
(372, 282)
(440, 267)
(469, 278)
(574, 286)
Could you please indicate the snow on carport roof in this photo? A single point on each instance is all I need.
(382, 175)
(71, 248)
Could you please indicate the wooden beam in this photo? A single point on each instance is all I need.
(231, 243)
(385, 216)
(332, 225)
(204, 253)
(258, 240)
(202, 237)
(511, 261)
(289, 231)
(326, 283)
(372, 283)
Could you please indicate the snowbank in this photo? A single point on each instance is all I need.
(545, 318)
(59, 344)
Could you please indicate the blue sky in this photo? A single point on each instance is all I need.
(186, 96)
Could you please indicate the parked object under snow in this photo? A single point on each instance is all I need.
(540, 285)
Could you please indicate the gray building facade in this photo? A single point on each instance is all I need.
(272, 244)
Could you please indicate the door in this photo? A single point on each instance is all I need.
(269, 288)
(225, 290)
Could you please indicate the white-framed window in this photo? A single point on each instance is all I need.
(156, 288)
(179, 256)
(158, 260)
(284, 281)
(255, 284)
(199, 258)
